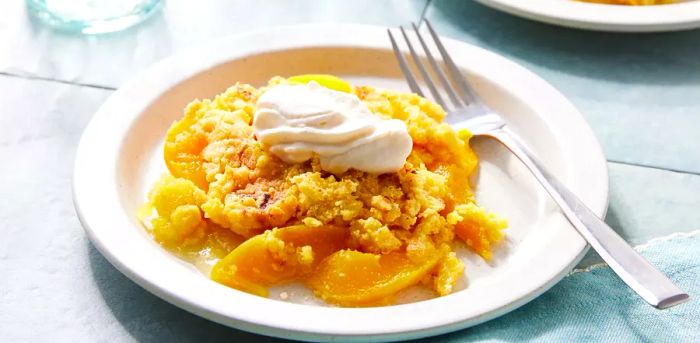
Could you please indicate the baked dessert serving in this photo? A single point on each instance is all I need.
(354, 191)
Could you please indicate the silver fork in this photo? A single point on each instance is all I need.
(467, 110)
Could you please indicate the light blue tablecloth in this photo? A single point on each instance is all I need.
(594, 305)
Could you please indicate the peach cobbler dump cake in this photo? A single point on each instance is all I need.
(356, 192)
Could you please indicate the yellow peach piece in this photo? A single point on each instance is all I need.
(183, 148)
(277, 256)
(328, 81)
(353, 278)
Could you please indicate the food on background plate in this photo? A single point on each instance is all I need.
(632, 2)
(357, 192)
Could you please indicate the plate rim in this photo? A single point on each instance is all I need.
(88, 160)
(615, 18)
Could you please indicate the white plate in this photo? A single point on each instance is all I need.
(119, 155)
(601, 17)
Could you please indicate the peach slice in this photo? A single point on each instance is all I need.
(278, 256)
(328, 81)
(353, 278)
(183, 148)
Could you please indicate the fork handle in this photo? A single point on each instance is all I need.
(652, 285)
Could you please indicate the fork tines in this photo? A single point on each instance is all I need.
(459, 91)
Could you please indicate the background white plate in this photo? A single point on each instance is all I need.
(678, 16)
(120, 154)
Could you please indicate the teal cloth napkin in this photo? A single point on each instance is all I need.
(595, 306)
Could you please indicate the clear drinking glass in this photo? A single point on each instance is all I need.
(92, 16)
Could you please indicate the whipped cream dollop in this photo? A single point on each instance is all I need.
(296, 121)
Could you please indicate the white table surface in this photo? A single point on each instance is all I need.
(640, 93)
